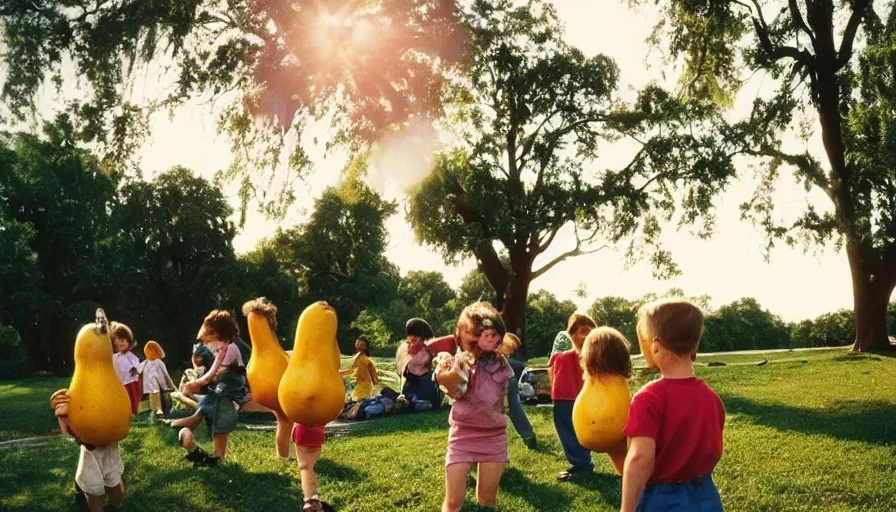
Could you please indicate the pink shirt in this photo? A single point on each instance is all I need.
(482, 406)
(124, 362)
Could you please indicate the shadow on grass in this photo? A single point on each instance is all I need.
(541, 496)
(867, 421)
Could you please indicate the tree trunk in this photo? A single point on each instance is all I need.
(871, 296)
(514, 309)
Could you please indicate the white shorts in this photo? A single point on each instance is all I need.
(99, 468)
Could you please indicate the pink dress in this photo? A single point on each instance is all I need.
(478, 430)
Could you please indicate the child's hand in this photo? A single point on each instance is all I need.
(59, 402)
(134, 372)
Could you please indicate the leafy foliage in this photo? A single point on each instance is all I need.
(529, 117)
(831, 60)
(363, 66)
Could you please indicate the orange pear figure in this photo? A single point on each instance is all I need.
(311, 391)
(269, 361)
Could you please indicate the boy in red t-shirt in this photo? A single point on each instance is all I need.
(566, 378)
(675, 423)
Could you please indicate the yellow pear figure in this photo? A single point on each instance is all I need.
(99, 410)
(600, 412)
(312, 391)
(269, 361)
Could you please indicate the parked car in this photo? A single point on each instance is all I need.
(535, 387)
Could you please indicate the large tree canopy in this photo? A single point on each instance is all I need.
(364, 65)
(530, 116)
(833, 59)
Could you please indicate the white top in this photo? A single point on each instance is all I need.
(124, 362)
(155, 376)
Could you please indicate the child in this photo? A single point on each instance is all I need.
(155, 376)
(413, 362)
(675, 423)
(606, 351)
(227, 381)
(126, 363)
(202, 359)
(517, 413)
(364, 369)
(478, 433)
(99, 467)
(565, 373)
(309, 440)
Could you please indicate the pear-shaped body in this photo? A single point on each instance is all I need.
(311, 391)
(600, 412)
(99, 410)
(267, 364)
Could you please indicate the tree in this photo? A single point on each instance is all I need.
(744, 325)
(619, 313)
(429, 297)
(176, 234)
(545, 315)
(832, 59)
(532, 111)
(474, 287)
(337, 255)
(280, 64)
(56, 199)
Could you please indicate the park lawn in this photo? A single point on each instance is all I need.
(25, 407)
(807, 436)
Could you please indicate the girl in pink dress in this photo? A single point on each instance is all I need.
(478, 427)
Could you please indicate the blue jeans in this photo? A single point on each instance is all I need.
(699, 495)
(576, 454)
(517, 414)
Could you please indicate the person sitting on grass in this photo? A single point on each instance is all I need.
(227, 378)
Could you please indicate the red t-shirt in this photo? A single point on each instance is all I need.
(566, 375)
(686, 418)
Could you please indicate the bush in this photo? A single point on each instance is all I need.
(13, 361)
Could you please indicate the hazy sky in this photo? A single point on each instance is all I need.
(727, 267)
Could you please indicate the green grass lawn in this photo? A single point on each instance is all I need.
(819, 435)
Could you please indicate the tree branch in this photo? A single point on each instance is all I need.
(797, 17)
(575, 252)
(849, 35)
(489, 262)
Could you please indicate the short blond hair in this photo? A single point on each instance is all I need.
(676, 324)
(606, 350)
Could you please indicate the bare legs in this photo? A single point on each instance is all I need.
(488, 476)
(284, 429)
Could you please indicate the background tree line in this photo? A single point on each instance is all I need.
(158, 255)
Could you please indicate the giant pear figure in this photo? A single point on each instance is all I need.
(269, 361)
(99, 410)
(311, 391)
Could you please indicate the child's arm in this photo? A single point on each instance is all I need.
(639, 464)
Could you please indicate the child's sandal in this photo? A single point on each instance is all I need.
(313, 504)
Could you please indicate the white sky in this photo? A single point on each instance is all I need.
(726, 267)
